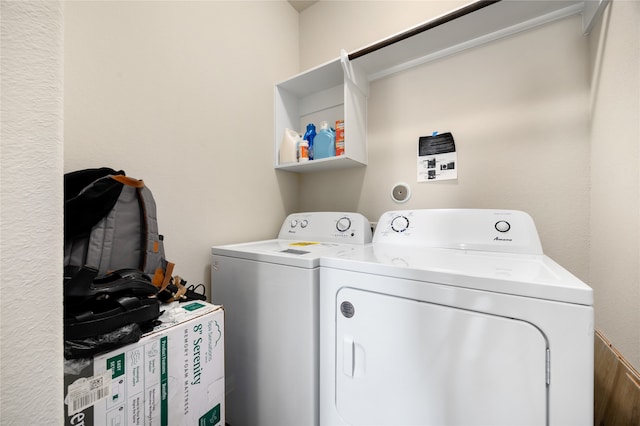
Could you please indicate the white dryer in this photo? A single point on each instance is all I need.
(270, 293)
(454, 317)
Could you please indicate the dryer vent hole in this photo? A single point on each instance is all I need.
(400, 192)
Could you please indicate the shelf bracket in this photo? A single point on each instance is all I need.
(353, 76)
(593, 10)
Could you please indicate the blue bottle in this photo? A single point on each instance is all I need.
(324, 145)
(310, 136)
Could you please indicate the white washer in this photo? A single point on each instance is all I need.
(454, 317)
(270, 293)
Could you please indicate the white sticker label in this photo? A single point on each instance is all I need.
(85, 392)
(437, 158)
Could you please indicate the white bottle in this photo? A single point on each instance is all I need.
(288, 152)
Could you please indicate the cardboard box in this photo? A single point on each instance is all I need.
(172, 376)
(339, 137)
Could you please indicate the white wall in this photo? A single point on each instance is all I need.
(180, 94)
(615, 177)
(31, 213)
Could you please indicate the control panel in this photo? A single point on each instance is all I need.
(339, 227)
(508, 231)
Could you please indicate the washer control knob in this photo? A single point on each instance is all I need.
(343, 224)
(294, 223)
(304, 223)
(502, 226)
(400, 223)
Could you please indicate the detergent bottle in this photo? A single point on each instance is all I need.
(310, 136)
(324, 145)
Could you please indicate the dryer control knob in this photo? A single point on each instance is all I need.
(399, 223)
(343, 224)
(502, 226)
(304, 223)
(294, 223)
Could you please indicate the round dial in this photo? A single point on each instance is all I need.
(399, 223)
(343, 224)
(304, 223)
(294, 223)
(502, 226)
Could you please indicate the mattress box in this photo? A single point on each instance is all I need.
(174, 375)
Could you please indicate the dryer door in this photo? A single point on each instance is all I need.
(406, 362)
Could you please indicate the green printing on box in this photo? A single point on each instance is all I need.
(211, 417)
(193, 306)
(164, 382)
(116, 364)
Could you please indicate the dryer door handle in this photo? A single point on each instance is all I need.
(348, 356)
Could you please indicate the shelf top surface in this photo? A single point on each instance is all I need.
(502, 17)
(316, 79)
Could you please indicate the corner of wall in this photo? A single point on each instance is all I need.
(31, 191)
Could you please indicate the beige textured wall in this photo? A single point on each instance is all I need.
(181, 95)
(615, 177)
(31, 214)
(517, 108)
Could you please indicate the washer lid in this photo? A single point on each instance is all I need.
(302, 254)
(535, 276)
(303, 238)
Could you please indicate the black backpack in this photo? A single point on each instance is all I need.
(110, 223)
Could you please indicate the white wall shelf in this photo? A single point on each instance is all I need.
(338, 89)
(327, 94)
